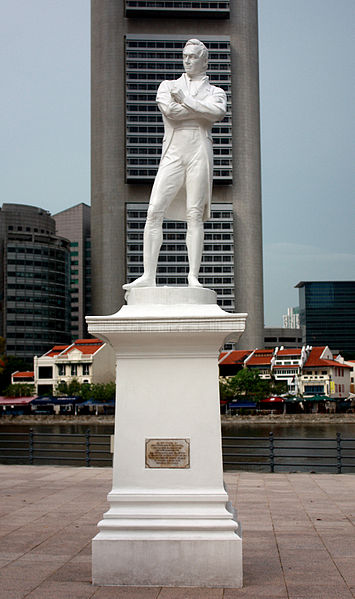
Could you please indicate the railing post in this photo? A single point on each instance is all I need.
(339, 454)
(88, 457)
(271, 452)
(30, 445)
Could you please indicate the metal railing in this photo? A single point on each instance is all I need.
(268, 454)
(34, 447)
(273, 454)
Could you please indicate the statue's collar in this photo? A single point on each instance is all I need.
(197, 83)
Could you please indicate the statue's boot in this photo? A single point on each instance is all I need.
(194, 243)
(153, 238)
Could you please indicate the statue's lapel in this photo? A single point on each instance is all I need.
(203, 90)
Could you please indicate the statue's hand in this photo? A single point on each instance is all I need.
(177, 95)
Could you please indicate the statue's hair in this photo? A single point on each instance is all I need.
(202, 50)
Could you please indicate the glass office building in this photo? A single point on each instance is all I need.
(35, 282)
(327, 314)
(74, 224)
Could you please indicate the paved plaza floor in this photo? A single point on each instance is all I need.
(298, 536)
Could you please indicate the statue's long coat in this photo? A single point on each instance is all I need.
(206, 106)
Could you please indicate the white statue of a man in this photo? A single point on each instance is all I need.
(183, 185)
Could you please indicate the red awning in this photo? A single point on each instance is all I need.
(15, 401)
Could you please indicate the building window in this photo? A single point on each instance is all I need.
(61, 369)
(74, 369)
(86, 369)
(314, 389)
(45, 372)
(216, 9)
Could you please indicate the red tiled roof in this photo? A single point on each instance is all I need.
(234, 356)
(314, 359)
(27, 374)
(88, 342)
(86, 346)
(335, 363)
(57, 349)
(289, 352)
(261, 357)
(259, 360)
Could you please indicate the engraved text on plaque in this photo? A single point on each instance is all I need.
(167, 453)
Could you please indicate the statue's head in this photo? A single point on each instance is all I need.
(195, 57)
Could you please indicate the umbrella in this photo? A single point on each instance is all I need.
(273, 399)
(319, 398)
(293, 399)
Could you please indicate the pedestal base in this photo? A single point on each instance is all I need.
(199, 563)
(170, 522)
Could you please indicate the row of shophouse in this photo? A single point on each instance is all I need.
(308, 371)
(86, 360)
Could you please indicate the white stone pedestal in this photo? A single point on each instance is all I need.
(169, 522)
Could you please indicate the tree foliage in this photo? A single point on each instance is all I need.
(8, 365)
(247, 384)
(98, 392)
(20, 390)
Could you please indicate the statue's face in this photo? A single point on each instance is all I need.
(194, 63)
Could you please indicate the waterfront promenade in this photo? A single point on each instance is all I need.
(298, 535)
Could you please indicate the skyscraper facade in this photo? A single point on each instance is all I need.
(135, 45)
(327, 314)
(291, 320)
(74, 224)
(34, 281)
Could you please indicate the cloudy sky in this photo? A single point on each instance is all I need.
(307, 123)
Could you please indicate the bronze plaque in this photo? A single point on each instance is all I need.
(167, 453)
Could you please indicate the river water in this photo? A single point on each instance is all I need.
(241, 429)
(298, 446)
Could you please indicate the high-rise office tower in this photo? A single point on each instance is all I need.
(34, 281)
(327, 314)
(74, 224)
(291, 320)
(135, 45)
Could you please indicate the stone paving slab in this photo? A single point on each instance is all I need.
(298, 535)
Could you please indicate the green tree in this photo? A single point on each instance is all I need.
(20, 390)
(246, 384)
(226, 392)
(99, 392)
(103, 392)
(8, 365)
(74, 388)
(61, 389)
(277, 387)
